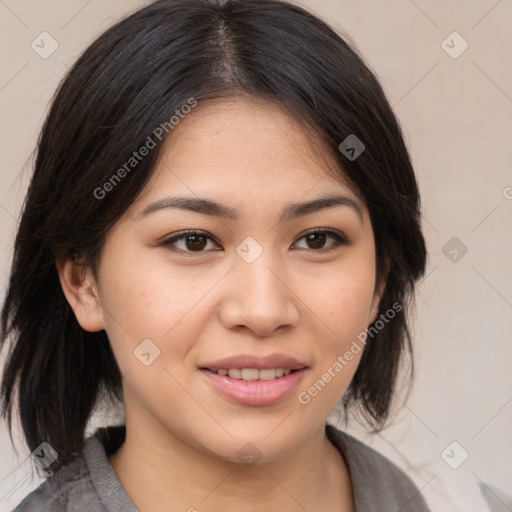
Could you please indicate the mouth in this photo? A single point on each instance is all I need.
(249, 364)
(252, 373)
(252, 380)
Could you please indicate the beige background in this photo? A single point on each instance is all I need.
(457, 118)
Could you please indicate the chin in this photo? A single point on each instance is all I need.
(249, 449)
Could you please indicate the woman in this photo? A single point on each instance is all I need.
(222, 231)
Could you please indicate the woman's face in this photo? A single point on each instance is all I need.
(252, 286)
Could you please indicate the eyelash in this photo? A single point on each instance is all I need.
(340, 240)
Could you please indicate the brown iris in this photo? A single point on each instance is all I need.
(320, 240)
(195, 242)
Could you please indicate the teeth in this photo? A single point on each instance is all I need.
(250, 373)
(235, 374)
(268, 374)
(254, 373)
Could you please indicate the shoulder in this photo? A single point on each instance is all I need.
(377, 482)
(69, 490)
(47, 496)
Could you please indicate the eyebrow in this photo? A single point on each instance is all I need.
(213, 208)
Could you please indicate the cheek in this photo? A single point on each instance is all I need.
(154, 301)
(337, 353)
(344, 302)
(353, 310)
(145, 295)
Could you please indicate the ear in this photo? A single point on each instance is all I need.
(81, 292)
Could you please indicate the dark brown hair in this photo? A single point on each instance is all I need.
(131, 80)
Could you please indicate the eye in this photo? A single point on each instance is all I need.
(191, 241)
(316, 239)
(197, 241)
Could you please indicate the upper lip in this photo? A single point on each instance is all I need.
(259, 362)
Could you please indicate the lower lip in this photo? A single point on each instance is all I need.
(254, 392)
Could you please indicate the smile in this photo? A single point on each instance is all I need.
(253, 373)
(252, 386)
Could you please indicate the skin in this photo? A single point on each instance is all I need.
(183, 436)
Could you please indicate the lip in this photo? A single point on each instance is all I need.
(254, 392)
(259, 362)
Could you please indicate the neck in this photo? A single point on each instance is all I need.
(160, 472)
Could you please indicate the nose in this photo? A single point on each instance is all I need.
(259, 296)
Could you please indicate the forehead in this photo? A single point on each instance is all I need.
(244, 147)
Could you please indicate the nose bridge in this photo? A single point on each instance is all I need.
(259, 297)
(254, 261)
(259, 276)
(254, 271)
